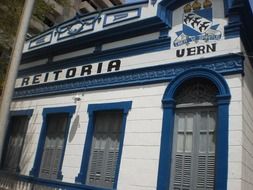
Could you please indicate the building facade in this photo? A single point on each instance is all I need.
(155, 95)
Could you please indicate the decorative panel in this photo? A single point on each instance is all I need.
(122, 16)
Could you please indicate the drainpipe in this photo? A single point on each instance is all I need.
(13, 70)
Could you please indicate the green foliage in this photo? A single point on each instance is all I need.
(3, 68)
(41, 8)
(63, 2)
(9, 20)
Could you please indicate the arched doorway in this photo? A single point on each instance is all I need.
(193, 152)
(194, 140)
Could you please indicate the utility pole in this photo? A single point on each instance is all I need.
(13, 70)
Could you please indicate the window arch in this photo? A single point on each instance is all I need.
(196, 91)
(176, 95)
(194, 142)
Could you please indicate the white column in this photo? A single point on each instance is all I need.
(13, 70)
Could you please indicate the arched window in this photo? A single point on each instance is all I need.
(194, 139)
(196, 91)
(193, 157)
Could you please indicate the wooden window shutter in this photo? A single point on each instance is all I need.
(194, 150)
(105, 149)
(53, 148)
(206, 151)
(184, 154)
(18, 127)
(193, 157)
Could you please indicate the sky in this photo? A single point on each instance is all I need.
(251, 3)
(132, 1)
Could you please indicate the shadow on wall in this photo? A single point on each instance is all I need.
(10, 180)
(73, 129)
(29, 146)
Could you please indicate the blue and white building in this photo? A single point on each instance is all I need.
(154, 95)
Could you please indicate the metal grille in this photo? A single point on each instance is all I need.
(196, 91)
